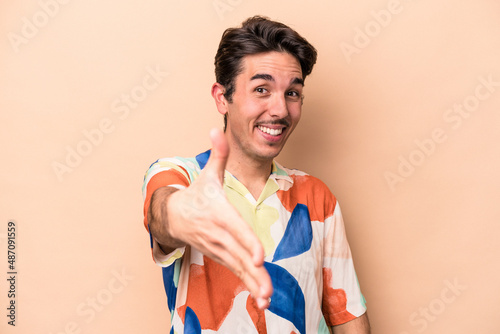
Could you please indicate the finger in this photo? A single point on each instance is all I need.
(219, 154)
(224, 248)
(255, 278)
(263, 303)
(259, 283)
(244, 235)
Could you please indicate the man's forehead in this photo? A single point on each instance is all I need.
(271, 64)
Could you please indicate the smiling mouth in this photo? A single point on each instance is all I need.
(272, 132)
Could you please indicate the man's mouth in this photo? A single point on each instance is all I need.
(272, 132)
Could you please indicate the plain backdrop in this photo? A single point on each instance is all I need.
(400, 119)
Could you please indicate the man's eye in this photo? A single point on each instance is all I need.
(293, 95)
(261, 90)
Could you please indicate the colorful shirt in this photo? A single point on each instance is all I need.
(299, 223)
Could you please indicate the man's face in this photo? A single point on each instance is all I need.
(266, 106)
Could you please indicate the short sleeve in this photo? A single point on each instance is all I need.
(342, 298)
(163, 173)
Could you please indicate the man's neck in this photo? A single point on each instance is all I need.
(253, 174)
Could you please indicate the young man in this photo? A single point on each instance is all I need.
(246, 245)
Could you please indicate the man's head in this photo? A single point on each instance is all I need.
(258, 35)
(260, 70)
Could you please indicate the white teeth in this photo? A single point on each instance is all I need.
(272, 132)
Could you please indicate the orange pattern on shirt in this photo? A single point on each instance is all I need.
(257, 315)
(211, 309)
(334, 302)
(304, 187)
(160, 180)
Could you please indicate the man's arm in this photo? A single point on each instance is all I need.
(202, 217)
(158, 220)
(360, 325)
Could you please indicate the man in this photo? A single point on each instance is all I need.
(246, 245)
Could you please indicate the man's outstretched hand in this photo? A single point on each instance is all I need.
(201, 216)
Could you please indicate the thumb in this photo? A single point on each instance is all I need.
(220, 151)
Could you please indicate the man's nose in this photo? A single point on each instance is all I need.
(279, 107)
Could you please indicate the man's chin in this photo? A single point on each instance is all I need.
(269, 154)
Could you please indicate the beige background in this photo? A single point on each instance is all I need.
(370, 100)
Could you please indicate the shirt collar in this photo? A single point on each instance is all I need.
(278, 180)
(278, 172)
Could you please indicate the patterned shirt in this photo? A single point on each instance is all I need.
(299, 223)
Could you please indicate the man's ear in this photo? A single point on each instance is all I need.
(220, 100)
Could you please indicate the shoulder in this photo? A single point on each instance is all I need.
(187, 167)
(304, 182)
(307, 190)
(178, 172)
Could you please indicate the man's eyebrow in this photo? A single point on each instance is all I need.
(268, 77)
(298, 81)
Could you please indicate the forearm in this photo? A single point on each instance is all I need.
(360, 325)
(158, 219)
